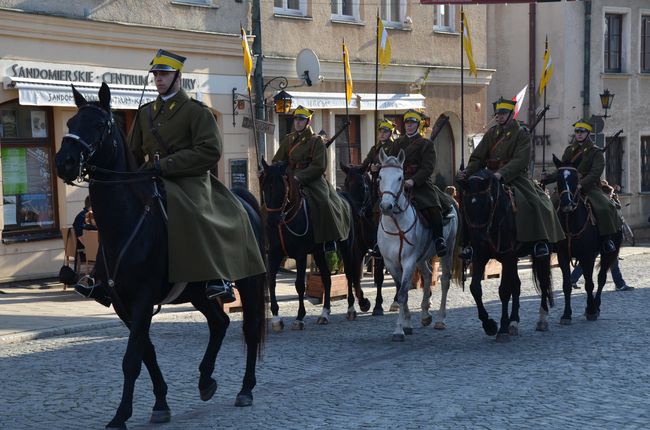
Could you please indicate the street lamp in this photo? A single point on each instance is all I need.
(282, 101)
(606, 99)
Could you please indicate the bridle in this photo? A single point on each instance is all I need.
(575, 198)
(396, 196)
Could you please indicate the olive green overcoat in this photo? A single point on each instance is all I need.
(419, 165)
(590, 169)
(305, 153)
(210, 236)
(507, 150)
(373, 154)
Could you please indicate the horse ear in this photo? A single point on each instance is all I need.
(105, 96)
(556, 161)
(344, 167)
(401, 157)
(264, 164)
(382, 156)
(79, 100)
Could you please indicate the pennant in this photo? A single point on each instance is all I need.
(467, 43)
(548, 69)
(248, 58)
(519, 99)
(384, 44)
(348, 75)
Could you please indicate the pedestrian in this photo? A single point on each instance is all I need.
(505, 150)
(617, 276)
(305, 152)
(419, 166)
(81, 223)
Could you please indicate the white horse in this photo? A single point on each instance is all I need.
(405, 243)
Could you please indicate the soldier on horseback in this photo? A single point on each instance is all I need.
(306, 154)
(591, 164)
(505, 150)
(419, 165)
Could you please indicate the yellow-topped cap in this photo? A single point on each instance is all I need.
(302, 112)
(167, 62)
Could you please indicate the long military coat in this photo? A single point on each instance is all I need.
(210, 236)
(507, 150)
(590, 169)
(419, 165)
(373, 154)
(329, 214)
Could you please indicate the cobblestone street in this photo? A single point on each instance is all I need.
(350, 374)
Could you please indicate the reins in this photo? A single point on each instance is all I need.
(576, 199)
(285, 210)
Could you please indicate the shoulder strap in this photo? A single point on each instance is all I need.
(155, 133)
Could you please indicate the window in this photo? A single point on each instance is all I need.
(205, 3)
(444, 18)
(27, 152)
(613, 42)
(614, 160)
(347, 154)
(645, 44)
(393, 11)
(347, 10)
(290, 7)
(645, 164)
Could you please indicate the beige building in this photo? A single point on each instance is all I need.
(424, 72)
(49, 45)
(617, 58)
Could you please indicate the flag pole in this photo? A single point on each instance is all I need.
(462, 92)
(257, 151)
(246, 54)
(376, 77)
(346, 60)
(544, 123)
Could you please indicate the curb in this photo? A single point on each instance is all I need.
(53, 332)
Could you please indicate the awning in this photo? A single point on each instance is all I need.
(37, 92)
(314, 100)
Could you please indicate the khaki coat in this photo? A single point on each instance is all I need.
(329, 213)
(210, 235)
(507, 150)
(373, 154)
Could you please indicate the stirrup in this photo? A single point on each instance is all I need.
(93, 291)
(329, 246)
(220, 288)
(540, 250)
(374, 252)
(466, 253)
(609, 246)
(441, 246)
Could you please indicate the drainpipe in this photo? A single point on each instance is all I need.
(532, 16)
(258, 77)
(587, 59)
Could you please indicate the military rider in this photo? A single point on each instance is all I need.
(419, 165)
(306, 154)
(505, 149)
(385, 129)
(590, 168)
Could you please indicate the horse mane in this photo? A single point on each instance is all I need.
(130, 159)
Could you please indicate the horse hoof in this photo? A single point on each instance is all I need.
(426, 321)
(398, 338)
(513, 330)
(565, 321)
(351, 315)
(394, 307)
(277, 326)
(243, 400)
(503, 338)
(542, 326)
(377, 311)
(114, 425)
(364, 305)
(298, 325)
(490, 327)
(439, 325)
(592, 317)
(158, 417)
(322, 321)
(207, 393)
(408, 331)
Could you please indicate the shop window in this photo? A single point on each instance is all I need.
(347, 152)
(28, 176)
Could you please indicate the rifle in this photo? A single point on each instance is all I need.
(538, 119)
(618, 133)
(330, 141)
(438, 126)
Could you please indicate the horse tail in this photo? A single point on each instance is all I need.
(254, 294)
(542, 278)
(457, 264)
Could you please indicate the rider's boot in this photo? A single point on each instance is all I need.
(375, 253)
(466, 253)
(541, 249)
(220, 288)
(608, 245)
(433, 216)
(98, 292)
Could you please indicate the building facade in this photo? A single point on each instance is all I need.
(45, 50)
(595, 46)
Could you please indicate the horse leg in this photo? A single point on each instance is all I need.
(542, 275)
(403, 296)
(605, 264)
(513, 325)
(505, 293)
(446, 264)
(321, 263)
(378, 277)
(160, 412)
(478, 268)
(218, 323)
(132, 360)
(563, 260)
(301, 270)
(591, 313)
(425, 270)
(275, 258)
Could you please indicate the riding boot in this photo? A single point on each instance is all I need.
(541, 249)
(466, 252)
(433, 216)
(608, 245)
(97, 292)
(220, 288)
(375, 253)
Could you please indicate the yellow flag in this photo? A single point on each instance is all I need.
(548, 69)
(248, 59)
(467, 43)
(384, 44)
(348, 75)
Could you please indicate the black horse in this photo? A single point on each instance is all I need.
(290, 234)
(582, 241)
(130, 213)
(487, 206)
(362, 190)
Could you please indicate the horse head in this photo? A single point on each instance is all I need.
(480, 198)
(279, 188)
(391, 182)
(89, 131)
(567, 184)
(357, 185)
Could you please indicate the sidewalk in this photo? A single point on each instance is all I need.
(42, 310)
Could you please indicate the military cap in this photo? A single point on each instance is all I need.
(302, 112)
(583, 124)
(384, 123)
(413, 115)
(166, 61)
(504, 105)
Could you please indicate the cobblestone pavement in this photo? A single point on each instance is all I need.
(350, 375)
